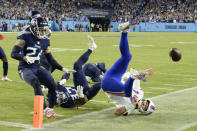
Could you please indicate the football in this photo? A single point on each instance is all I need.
(175, 54)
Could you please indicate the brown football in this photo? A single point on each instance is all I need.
(175, 54)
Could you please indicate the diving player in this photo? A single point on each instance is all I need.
(69, 97)
(31, 43)
(94, 72)
(5, 65)
(121, 94)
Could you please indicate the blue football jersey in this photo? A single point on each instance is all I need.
(33, 47)
(65, 96)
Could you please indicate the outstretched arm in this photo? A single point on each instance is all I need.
(51, 59)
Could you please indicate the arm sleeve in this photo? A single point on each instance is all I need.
(16, 53)
(53, 62)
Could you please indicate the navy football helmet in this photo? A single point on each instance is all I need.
(38, 27)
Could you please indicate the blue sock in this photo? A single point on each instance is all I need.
(5, 68)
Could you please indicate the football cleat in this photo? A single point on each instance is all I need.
(49, 113)
(92, 44)
(124, 27)
(135, 75)
(4, 78)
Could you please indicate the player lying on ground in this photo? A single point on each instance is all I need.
(31, 43)
(121, 94)
(80, 93)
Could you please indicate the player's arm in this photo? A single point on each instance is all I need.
(18, 47)
(120, 111)
(52, 60)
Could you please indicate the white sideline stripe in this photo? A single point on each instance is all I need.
(108, 109)
(181, 42)
(77, 117)
(5, 123)
(29, 127)
(187, 126)
(177, 75)
(173, 85)
(160, 88)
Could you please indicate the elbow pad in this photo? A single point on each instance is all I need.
(16, 53)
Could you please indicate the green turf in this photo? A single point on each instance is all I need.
(148, 50)
(9, 128)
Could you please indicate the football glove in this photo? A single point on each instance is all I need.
(79, 91)
(62, 82)
(68, 70)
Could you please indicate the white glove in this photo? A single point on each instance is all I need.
(79, 91)
(68, 70)
(62, 82)
(31, 60)
(101, 77)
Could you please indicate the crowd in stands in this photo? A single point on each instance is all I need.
(178, 11)
(171, 11)
(61, 10)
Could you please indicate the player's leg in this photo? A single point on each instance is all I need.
(121, 65)
(79, 76)
(93, 91)
(47, 80)
(29, 76)
(128, 87)
(5, 65)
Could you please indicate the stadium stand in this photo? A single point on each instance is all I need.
(78, 15)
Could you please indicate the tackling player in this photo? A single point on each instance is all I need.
(121, 94)
(31, 43)
(69, 97)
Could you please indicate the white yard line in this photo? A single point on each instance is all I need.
(186, 126)
(173, 85)
(191, 76)
(5, 123)
(97, 112)
(29, 127)
(100, 101)
(156, 88)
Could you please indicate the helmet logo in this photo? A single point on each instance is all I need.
(152, 107)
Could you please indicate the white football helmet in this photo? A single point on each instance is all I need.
(151, 107)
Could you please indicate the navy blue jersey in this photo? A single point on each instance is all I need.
(65, 96)
(33, 47)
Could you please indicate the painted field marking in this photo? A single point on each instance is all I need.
(108, 109)
(187, 126)
(177, 75)
(29, 127)
(157, 88)
(183, 43)
(64, 49)
(5, 123)
(173, 85)
(100, 101)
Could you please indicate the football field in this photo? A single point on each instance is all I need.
(173, 87)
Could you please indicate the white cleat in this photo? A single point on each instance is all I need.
(92, 44)
(6, 79)
(124, 27)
